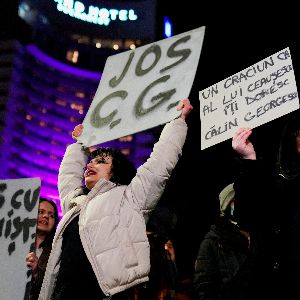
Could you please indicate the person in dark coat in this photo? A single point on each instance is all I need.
(268, 205)
(222, 266)
(163, 271)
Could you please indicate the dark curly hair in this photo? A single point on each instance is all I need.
(123, 169)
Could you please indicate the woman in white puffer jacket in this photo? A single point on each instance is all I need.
(100, 249)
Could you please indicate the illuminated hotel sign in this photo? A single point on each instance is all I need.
(94, 14)
(112, 19)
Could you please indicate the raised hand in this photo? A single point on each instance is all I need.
(77, 131)
(242, 145)
(185, 107)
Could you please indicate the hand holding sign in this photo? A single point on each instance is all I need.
(242, 145)
(184, 106)
(32, 262)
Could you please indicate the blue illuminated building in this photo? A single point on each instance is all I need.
(51, 79)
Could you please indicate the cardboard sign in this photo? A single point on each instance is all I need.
(261, 93)
(19, 201)
(141, 88)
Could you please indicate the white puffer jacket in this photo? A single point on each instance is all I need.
(112, 219)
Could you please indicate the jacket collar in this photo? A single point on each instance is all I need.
(101, 187)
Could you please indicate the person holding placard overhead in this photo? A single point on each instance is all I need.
(268, 204)
(100, 250)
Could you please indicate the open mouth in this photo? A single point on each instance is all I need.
(90, 173)
(44, 222)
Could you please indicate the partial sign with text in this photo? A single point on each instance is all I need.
(19, 200)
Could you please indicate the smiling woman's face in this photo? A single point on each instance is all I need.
(46, 217)
(98, 168)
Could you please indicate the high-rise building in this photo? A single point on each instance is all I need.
(50, 67)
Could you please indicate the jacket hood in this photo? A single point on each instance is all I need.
(225, 197)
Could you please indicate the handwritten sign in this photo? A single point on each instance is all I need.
(18, 213)
(261, 93)
(140, 89)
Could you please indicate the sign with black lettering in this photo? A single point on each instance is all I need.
(19, 200)
(140, 89)
(263, 92)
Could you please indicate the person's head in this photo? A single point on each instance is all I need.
(47, 217)
(289, 151)
(226, 198)
(110, 164)
(162, 223)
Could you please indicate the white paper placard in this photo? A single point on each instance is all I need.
(140, 88)
(263, 92)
